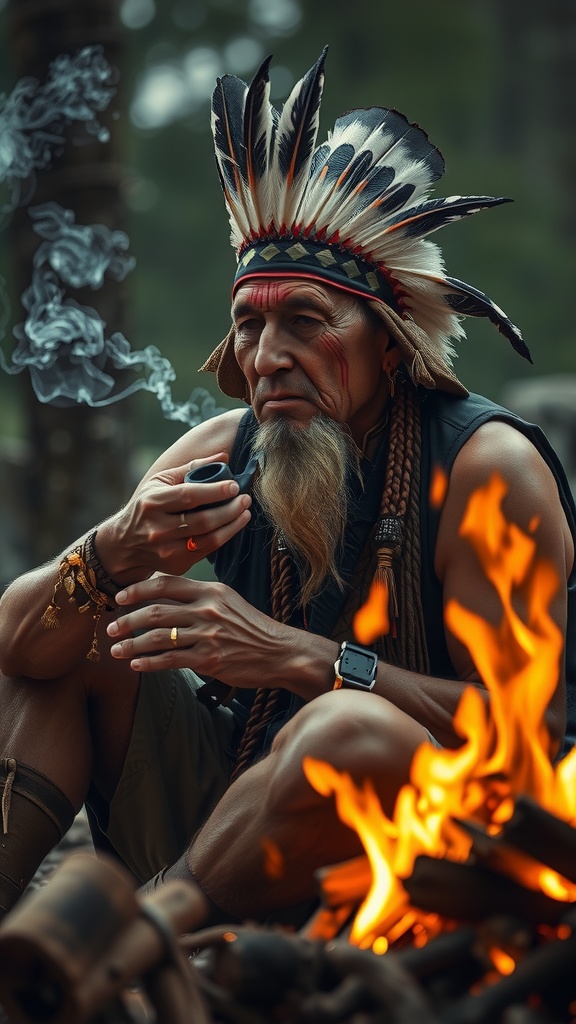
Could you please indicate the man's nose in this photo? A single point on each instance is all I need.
(273, 351)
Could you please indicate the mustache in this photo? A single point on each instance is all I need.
(284, 384)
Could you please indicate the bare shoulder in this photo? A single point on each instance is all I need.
(497, 447)
(531, 489)
(211, 437)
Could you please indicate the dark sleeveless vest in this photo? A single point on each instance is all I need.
(447, 422)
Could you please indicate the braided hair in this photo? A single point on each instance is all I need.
(284, 601)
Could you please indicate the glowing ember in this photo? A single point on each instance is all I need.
(506, 748)
(371, 620)
(274, 866)
(438, 487)
(502, 961)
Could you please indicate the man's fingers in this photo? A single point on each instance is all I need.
(154, 642)
(157, 589)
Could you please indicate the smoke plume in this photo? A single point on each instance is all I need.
(62, 343)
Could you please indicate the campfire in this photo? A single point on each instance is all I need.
(468, 889)
(460, 801)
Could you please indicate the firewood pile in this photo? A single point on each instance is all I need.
(86, 948)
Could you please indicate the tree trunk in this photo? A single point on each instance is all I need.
(78, 471)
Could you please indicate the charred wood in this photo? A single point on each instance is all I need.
(448, 965)
(543, 836)
(537, 973)
(466, 892)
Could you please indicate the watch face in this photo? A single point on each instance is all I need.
(358, 665)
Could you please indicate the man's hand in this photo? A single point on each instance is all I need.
(158, 530)
(207, 627)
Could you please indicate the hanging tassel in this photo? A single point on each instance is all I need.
(50, 618)
(385, 574)
(94, 653)
(388, 538)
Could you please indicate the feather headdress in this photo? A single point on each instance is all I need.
(355, 212)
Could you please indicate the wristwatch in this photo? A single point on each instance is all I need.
(355, 668)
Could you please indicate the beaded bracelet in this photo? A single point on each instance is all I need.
(104, 582)
(78, 578)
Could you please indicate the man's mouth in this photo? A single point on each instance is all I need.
(281, 400)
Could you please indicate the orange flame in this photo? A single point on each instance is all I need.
(438, 487)
(506, 749)
(274, 866)
(360, 809)
(371, 620)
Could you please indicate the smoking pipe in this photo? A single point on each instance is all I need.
(215, 472)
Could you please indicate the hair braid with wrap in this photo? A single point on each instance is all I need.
(284, 596)
(397, 536)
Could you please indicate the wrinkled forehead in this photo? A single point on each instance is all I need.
(268, 292)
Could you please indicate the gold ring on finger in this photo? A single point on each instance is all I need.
(174, 636)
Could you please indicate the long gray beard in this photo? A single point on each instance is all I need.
(303, 491)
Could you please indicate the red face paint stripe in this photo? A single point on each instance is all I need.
(266, 294)
(334, 347)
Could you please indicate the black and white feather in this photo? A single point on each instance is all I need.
(366, 190)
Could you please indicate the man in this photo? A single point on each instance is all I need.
(340, 344)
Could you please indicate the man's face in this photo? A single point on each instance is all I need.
(306, 348)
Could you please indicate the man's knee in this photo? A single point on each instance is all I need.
(345, 726)
(358, 733)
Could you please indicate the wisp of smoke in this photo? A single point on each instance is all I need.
(62, 343)
(34, 116)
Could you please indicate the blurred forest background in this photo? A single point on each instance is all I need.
(492, 81)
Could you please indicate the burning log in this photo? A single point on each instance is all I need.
(532, 833)
(342, 888)
(543, 836)
(468, 892)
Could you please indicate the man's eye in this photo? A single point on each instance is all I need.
(306, 321)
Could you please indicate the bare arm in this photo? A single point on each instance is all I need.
(221, 635)
(140, 539)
